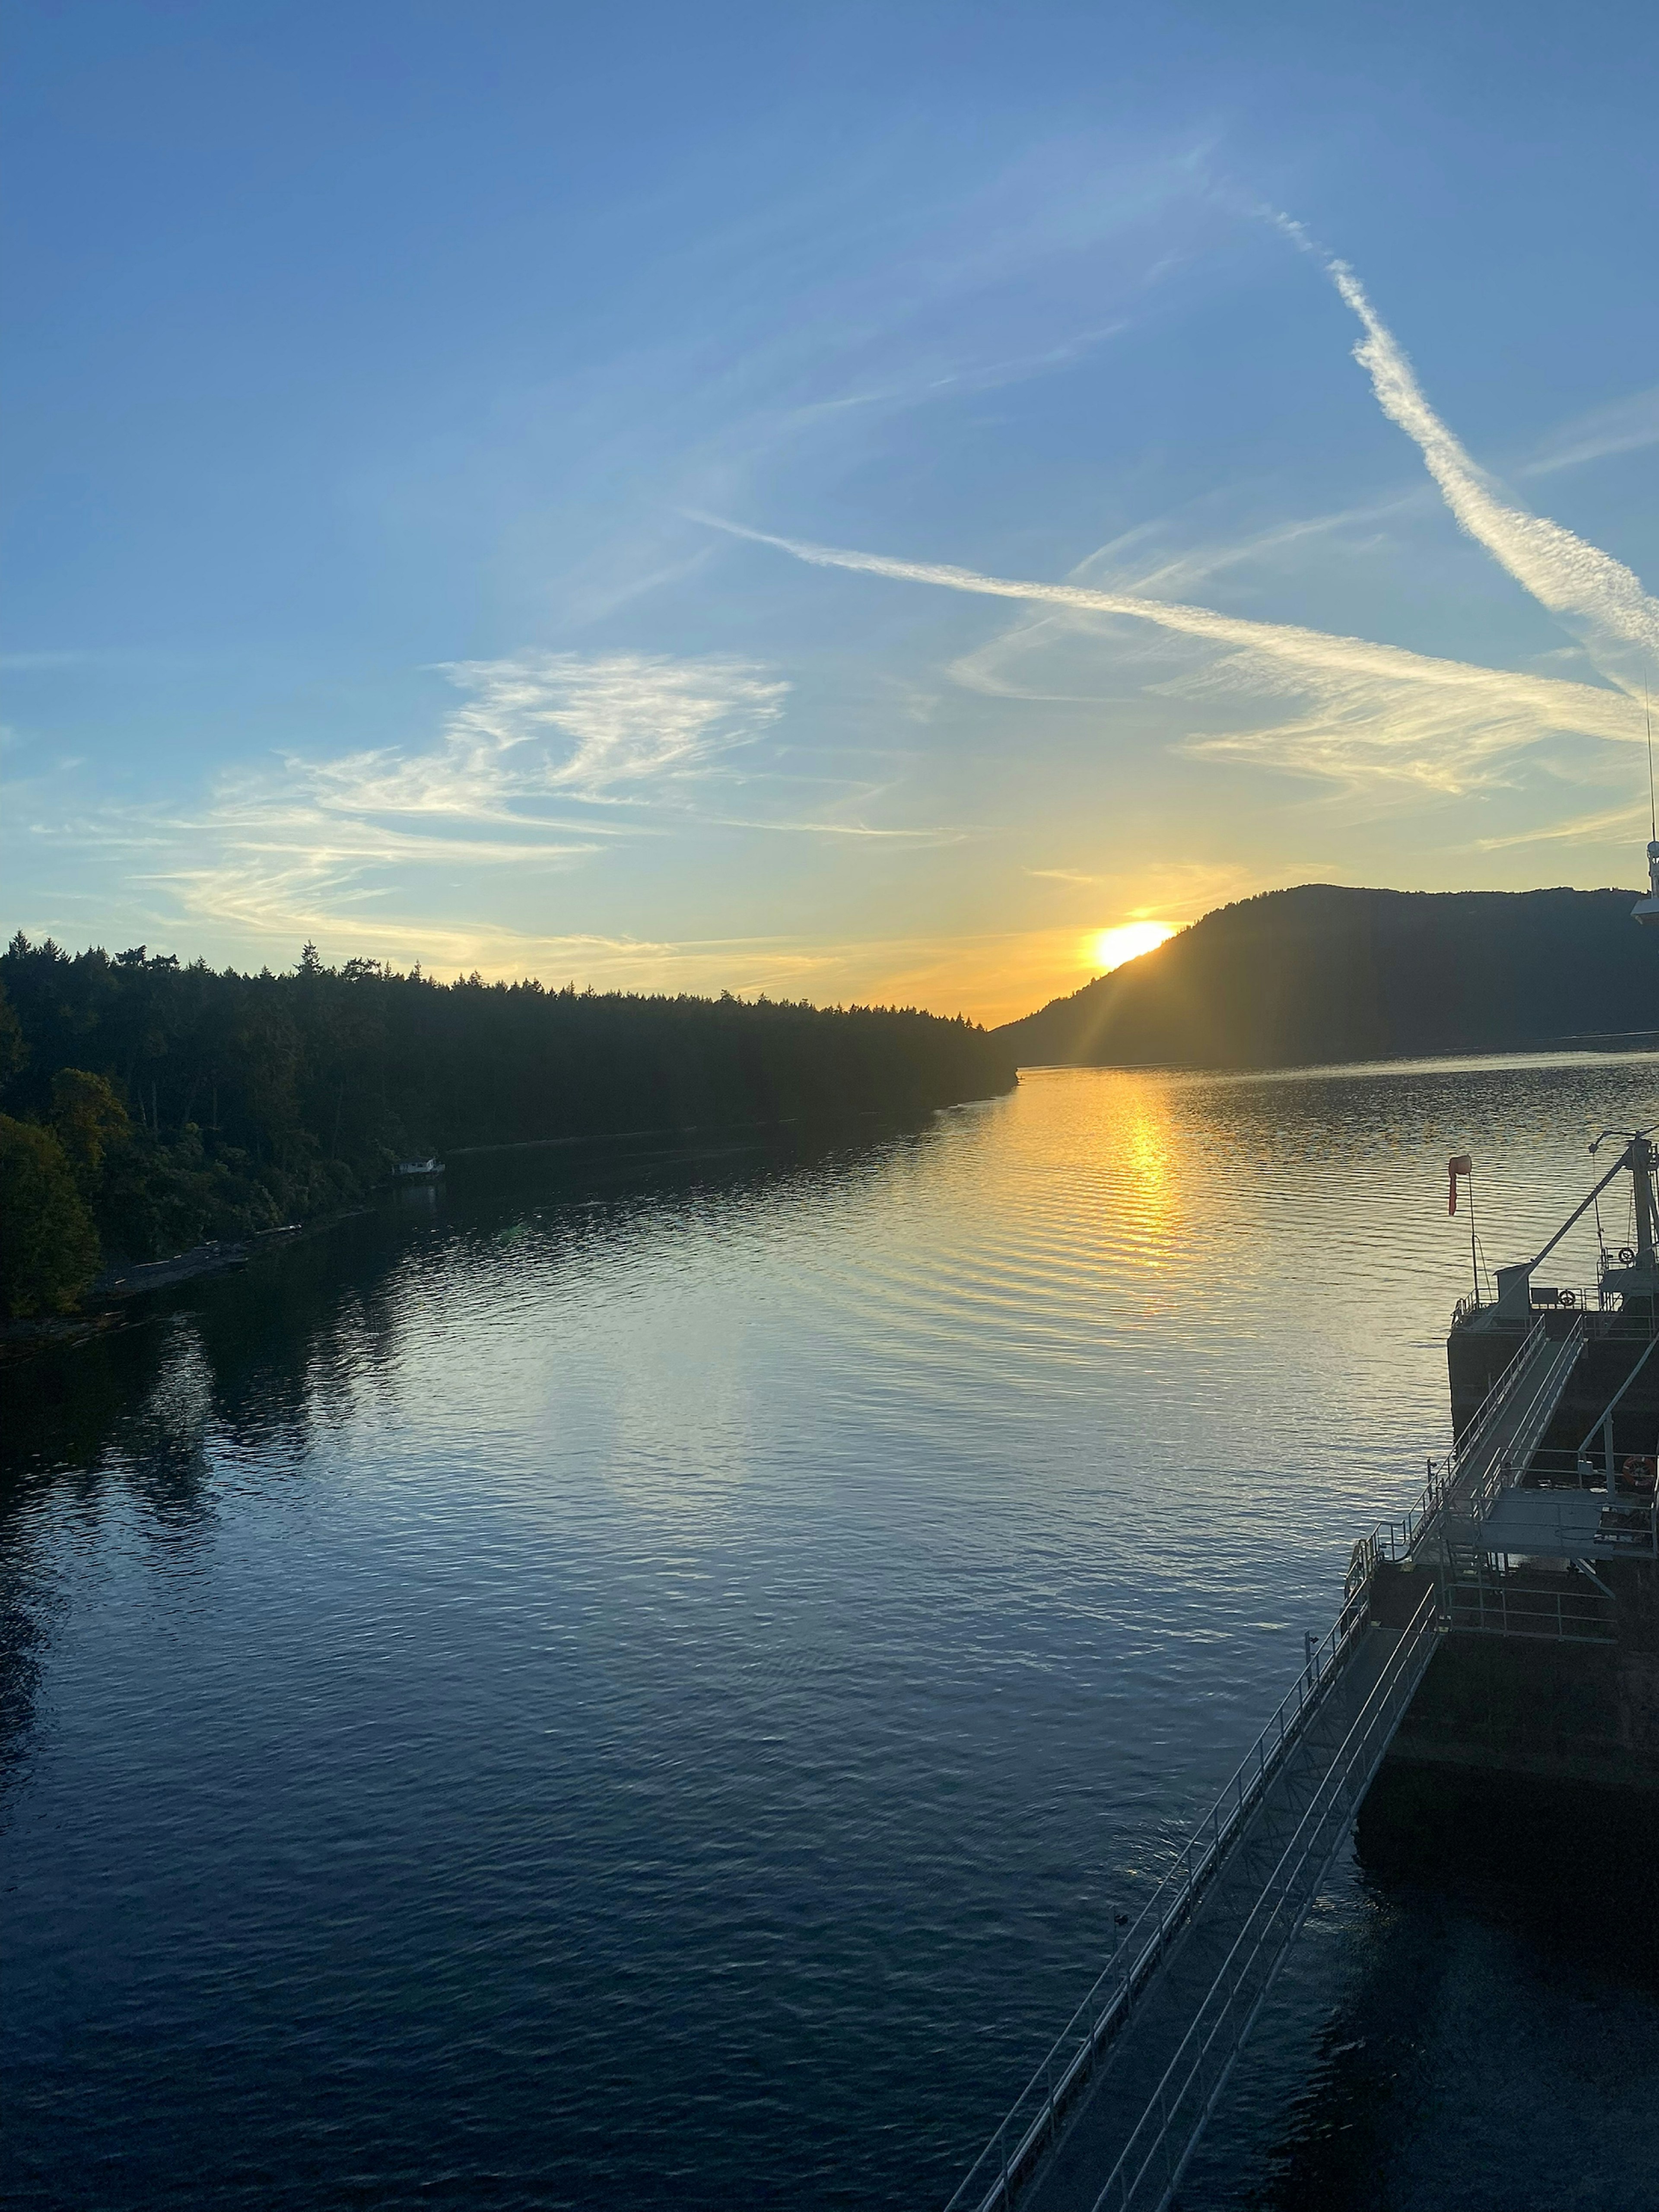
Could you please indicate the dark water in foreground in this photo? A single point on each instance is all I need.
(648, 1683)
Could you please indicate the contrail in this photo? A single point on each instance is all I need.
(1563, 573)
(1563, 706)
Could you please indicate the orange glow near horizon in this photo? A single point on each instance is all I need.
(1112, 947)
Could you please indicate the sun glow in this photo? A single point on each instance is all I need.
(1110, 948)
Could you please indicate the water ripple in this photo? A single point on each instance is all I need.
(654, 1683)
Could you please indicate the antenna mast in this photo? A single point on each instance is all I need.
(1647, 909)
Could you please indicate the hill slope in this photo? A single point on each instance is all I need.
(1322, 974)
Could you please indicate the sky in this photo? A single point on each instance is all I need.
(851, 502)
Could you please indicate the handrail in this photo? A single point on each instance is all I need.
(1590, 1298)
(1396, 1539)
(1510, 1464)
(1399, 1538)
(1422, 1626)
(1029, 2124)
(1072, 2051)
(1531, 1608)
(1498, 1395)
(1167, 1910)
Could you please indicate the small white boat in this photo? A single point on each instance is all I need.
(418, 1170)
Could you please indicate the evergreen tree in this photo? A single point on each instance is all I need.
(48, 1246)
(186, 1104)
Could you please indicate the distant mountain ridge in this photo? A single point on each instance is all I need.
(1324, 974)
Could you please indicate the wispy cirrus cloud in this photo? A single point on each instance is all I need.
(1141, 559)
(595, 726)
(1178, 890)
(1367, 710)
(1625, 426)
(1360, 730)
(1623, 824)
(552, 727)
(1602, 601)
(1358, 712)
(1583, 706)
(547, 760)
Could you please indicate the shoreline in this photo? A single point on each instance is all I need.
(116, 1299)
(113, 1297)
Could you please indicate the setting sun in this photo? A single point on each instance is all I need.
(1110, 948)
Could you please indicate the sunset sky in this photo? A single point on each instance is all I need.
(852, 501)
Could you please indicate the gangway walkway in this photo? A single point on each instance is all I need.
(1495, 1452)
(1109, 2120)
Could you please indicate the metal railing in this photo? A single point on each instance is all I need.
(1459, 1481)
(1556, 1297)
(1151, 2163)
(1030, 2123)
(1507, 1467)
(1498, 1607)
(1445, 1488)
(1397, 1539)
(1630, 1510)
(1628, 1526)
(1587, 1298)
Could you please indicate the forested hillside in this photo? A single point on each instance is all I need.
(147, 1105)
(1322, 974)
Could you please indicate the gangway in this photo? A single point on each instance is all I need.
(1109, 2120)
(1443, 1530)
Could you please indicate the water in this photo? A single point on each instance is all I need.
(650, 1681)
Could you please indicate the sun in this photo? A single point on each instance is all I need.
(1110, 948)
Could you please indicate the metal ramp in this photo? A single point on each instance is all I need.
(1443, 1530)
(1109, 2120)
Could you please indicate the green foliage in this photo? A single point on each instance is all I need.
(191, 1104)
(90, 1122)
(13, 1050)
(48, 1246)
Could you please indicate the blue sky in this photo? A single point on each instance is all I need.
(389, 387)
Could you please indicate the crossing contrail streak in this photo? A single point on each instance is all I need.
(1557, 705)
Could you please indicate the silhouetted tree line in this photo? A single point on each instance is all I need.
(1324, 973)
(148, 1106)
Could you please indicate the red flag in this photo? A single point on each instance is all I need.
(1461, 1165)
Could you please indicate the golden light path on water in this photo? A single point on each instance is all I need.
(662, 1671)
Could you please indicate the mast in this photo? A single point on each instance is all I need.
(1640, 1158)
(1647, 909)
(1637, 1275)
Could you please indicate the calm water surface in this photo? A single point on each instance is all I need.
(649, 1683)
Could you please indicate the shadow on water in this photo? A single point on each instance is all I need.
(1494, 2046)
(265, 1333)
(263, 1357)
